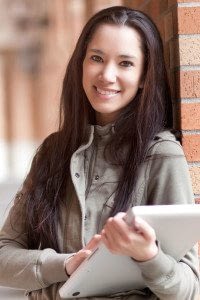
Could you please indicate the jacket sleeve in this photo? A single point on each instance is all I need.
(21, 267)
(169, 183)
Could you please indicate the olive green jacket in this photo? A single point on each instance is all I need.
(163, 179)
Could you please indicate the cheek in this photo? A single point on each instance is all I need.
(132, 82)
(85, 76)
(84, 70)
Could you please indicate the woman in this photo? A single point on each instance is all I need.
(114, 149)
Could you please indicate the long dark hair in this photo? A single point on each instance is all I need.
(137, 125)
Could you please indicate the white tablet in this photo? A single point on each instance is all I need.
(103, 273)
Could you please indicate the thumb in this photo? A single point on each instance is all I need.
(74, 262)
(93, 243)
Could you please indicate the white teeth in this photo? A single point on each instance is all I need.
(102, 92)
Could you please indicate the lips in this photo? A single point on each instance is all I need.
(107, 92)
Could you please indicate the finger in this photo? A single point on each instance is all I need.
(112, 238)
(143, 227)
(82, 255)
(73, 262)
(107, 242)
(93, 243)
(120, 215)
(109, 232)
(117, 227)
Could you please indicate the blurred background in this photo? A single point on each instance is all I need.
(36, 40)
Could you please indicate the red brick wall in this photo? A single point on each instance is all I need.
(188, 76)
(179, 25)
(163, 13)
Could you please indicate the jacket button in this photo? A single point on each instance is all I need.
(77, 175)
(96, 177)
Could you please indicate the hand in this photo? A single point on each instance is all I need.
(137, 241)
(74, 261)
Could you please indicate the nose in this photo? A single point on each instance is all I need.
(108, 74)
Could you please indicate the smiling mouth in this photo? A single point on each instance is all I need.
(106, 92)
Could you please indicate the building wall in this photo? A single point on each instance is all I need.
(31, 71)
(33, 57)
(179, 25)
(188, 82)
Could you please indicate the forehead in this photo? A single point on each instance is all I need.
(116, 39)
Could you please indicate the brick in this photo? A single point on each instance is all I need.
(47, 100)
(189, 51)
(3, 104)
(197, 200)
(187, 1)
(168, 25)
(172, 2)
(175, 20)
(172, 82)
(191, 146)
(160, 26)
(101, 4)
(189, 84)
(21, 105)
(72, 17)
(163, 6)
(167, 55)
(188, 20)
(195, 176)
(133, 4)
(173, 49)
(190, 116)
(153, 8)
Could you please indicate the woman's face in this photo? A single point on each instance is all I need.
(112, 70)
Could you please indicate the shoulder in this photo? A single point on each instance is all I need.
(165, 144)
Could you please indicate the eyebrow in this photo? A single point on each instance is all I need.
(126, 56)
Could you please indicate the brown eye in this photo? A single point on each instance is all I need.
(96, 58)
(126, 63)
